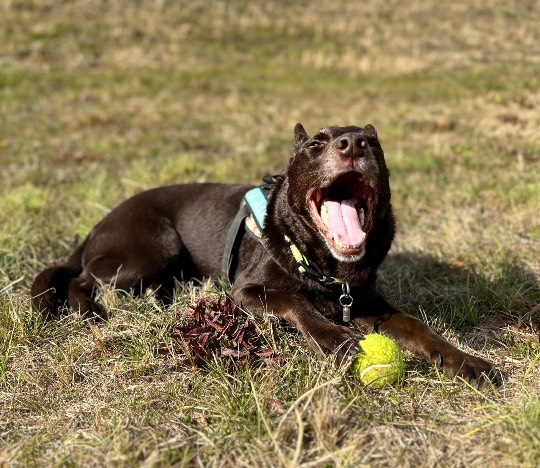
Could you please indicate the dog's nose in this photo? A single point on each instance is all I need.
(351, 145)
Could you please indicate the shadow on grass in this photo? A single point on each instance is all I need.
(459, 296)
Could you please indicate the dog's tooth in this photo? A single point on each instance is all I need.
(361, 216)
(324, 215)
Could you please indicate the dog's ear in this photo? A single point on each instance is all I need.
(370, 132)
(300, 137)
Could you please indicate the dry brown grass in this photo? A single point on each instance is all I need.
(102, 99)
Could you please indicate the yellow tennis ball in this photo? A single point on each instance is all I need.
(379, 361)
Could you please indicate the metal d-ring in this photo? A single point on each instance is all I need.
(346, 301)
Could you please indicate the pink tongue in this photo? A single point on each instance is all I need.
(343, 221)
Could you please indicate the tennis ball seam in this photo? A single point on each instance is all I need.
(380, 366)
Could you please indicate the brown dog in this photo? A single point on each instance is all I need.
(329, 224)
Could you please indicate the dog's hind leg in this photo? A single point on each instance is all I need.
(148, 267)
(80, 299)
(50, 288)
(102, 270)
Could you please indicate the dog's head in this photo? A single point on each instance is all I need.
(338, 182)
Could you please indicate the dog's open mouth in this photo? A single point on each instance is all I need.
(342, 212)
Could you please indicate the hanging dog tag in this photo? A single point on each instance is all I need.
(346, 301)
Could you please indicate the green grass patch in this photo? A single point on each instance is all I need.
(101, 100)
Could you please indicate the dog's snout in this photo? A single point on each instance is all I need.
(351, 145)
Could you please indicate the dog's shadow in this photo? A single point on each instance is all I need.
(450, 294)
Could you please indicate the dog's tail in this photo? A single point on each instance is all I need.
(49, 290)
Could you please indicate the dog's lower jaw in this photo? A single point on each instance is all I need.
(347, 258)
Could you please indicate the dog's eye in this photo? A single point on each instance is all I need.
(373, 143)
(314, 144)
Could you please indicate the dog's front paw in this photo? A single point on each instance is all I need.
(342, 342)
(473, 370)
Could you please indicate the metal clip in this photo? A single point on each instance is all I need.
(346, 301)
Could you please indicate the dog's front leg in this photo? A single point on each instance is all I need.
(415, 336)
(321, 334)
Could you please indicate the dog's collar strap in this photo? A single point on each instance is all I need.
(362, 295)
(305, 267)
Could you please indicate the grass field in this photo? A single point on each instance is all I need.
(99, 100)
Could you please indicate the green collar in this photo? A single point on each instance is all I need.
(307, 268)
